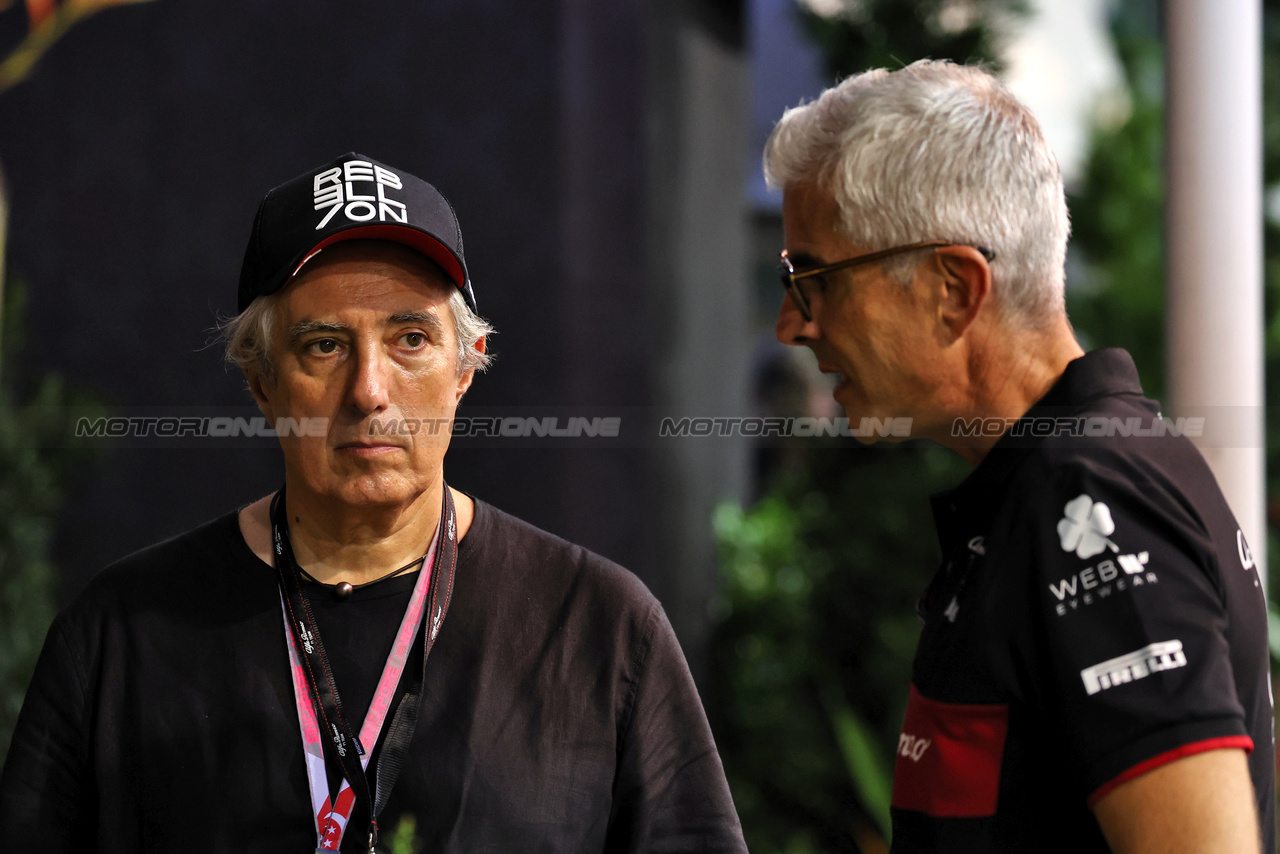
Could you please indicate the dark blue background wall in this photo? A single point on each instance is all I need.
(136, 153)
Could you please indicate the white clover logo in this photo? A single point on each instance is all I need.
(1246, 556)
(1085, 526)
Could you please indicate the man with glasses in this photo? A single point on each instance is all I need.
(1093, 669)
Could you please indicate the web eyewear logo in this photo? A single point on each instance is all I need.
(335, 189)
(1074, 426)
(1084, 529)
(1094, 583)
(1157, 657)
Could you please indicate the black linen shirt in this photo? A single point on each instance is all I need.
(1097, 614)
(558, 713)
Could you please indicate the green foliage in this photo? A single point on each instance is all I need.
(1115, 281)
(816, 633)
(892, 33)
(36, 451)
(871, 777)
(403, 839)
(1271, 98)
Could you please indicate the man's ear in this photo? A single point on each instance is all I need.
(964, 288)
(465, 378)
(259, 387)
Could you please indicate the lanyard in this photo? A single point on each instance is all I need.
(321, 718)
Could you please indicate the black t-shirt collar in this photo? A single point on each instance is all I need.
(1101, 373)
(1098, 374)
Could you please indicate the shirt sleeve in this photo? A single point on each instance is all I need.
(1128, 627)
(670, 793)
(43, 787)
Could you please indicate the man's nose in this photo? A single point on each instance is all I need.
(791, 327)
(370, 382)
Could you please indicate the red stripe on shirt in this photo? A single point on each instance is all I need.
(949, 757)
(1222, 743)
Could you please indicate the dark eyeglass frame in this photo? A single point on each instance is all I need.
(790, 274)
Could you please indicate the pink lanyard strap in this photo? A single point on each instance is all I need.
(314, 691)
(331, 817)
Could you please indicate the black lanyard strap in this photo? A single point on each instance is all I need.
(395, 748)
(341, 744)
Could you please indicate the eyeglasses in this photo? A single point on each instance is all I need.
(791, 276)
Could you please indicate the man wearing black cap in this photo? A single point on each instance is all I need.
(367, 644)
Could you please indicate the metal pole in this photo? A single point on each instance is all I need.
(1214, 242)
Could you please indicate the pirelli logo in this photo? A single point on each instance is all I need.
(1164, 655)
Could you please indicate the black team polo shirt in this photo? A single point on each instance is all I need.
(1097, 614)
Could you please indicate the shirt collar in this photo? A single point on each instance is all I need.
(1095, 375)
(1098, 374)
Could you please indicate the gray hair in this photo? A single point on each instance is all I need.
(248, 335)
(936, 151)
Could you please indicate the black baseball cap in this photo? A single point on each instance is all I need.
(352, 198)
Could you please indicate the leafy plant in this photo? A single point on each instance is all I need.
(816, 631)
(37, 447)
(855, 35)
(403, 839)
(37, 450)
(1115, 282)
